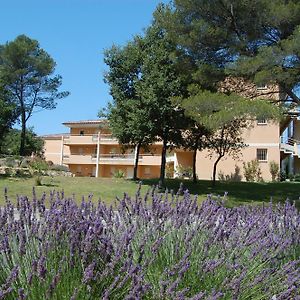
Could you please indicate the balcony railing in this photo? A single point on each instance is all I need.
(89, 139)
(144, 159)
(116, 156)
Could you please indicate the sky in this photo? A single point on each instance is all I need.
(75, 33)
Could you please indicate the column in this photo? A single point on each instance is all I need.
(98, 155)
(62, 150)
(175, 164)
(135, 154)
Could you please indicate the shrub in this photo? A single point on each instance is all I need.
(184, 172)
(150, 247)
(232, 177)
(297, 177)
(274, 170)
(169, 171)
(119, 174)
(252, 171)
(282, 176)
(50, 163)
(39, 165)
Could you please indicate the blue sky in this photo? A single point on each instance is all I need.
(75, 33)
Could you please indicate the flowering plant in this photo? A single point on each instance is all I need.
(156, 246)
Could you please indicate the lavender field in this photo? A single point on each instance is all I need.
(155, 246)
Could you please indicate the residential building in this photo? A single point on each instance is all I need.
(54, 147)
(94, 152)
(90, 150)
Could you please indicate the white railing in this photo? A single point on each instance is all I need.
(290, 145)
(116, 156)
(106, 137)
(89, 139)
(144, 159)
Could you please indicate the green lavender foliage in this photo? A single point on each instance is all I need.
(156, 246)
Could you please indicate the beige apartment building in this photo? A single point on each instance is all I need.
(89, 149)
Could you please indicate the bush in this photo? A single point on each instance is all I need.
(297, 177)
(184, 172)
(282, 176)
(252, 171)
(39, 165)
(274, 170)
(119, 174)
(150, 247)
(169, 171)
(232, 177)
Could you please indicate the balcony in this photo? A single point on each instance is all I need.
(112, 159)
(90, 139)
(149, 160)
(79, 159)
(116, 159)
(73, 139)
(108, 139)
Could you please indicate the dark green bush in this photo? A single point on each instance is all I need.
(297, 177)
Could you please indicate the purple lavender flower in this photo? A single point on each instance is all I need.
(88, 274)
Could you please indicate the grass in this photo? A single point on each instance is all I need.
(105, 188)
(240, 192)
(108, 188)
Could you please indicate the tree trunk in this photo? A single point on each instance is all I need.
(194, 165)
(163, 163)
(136, 161)
(23, 134)
(215, 170)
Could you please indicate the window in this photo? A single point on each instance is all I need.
(261, 121)
(81, 132)
(262, 154)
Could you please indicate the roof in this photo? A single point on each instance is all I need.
(85, 122)
(54, 136)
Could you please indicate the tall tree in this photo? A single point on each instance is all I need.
(144, 77)
(163, 79)
(225, 117)
(258, 40)
(26, 75)
(128, 114)
(7, 116)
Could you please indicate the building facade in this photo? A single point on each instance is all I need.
(89, 149)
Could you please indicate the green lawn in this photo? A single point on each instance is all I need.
(108, 188)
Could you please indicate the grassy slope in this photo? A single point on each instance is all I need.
(108, 188)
